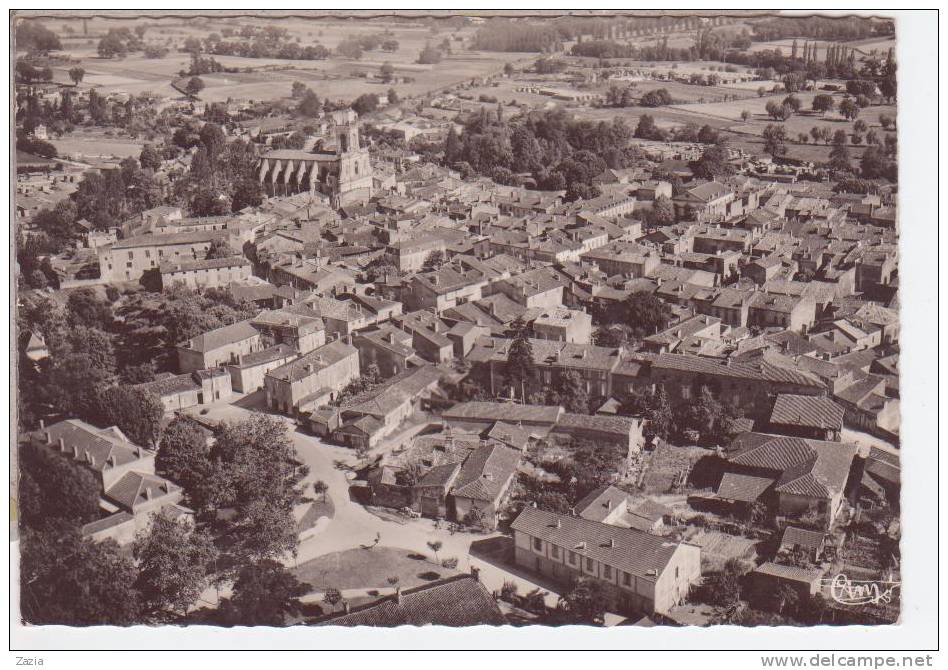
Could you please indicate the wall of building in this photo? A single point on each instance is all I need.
(190, 360)
(129, 264)
(206, 278)
(285, 396)
(636, 596)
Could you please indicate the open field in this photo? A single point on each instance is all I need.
(687, 93)
(665, 117)
(272, 78)
(96, 145)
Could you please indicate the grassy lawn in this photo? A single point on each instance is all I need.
(370, 568)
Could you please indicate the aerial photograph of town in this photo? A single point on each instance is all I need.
(455, 319)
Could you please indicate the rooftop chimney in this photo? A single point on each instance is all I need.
(49, 437)
(476, 573)
(42, 424)
(398, 595)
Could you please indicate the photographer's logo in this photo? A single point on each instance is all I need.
(848, 591)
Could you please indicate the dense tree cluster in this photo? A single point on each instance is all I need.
(430, 55)
(119, 42)
(222, 178)
(557, 151)
(816, 27)
(34, 36)
(260, 42)
(505, 35)
(643, 313)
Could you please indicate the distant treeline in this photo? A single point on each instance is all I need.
(821, 28)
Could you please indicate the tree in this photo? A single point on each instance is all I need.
(254, 471)
(873, 165)
(706, 416)
(429, 55)
(724, 588)
(644, 313)
(207, 202)
(150, 158)
(662, 213)
(111, 45)
(745, 115)
(194, 86)
(793, 81)
(647, 130)
(34, 36)
(219, 248)
(656, 98)
(137, 413)
(508, 69)
(76, 74)
(247, 193)
(786, 600)
(332, 597)
(297, 89)
(54, 489)
(714, 162)
(708, 135)
(435, 546)
(888, 86)
(264, 594)
(365, 103)
(387, 71)
(519, 369)
(793, 102)
(172, 559)
(320, 488)
(393, 97)
(658, 416)
(309, 105)
(183, 453)
(823, 103)
(860, 126)
(583, 602)
(848, 108)
(349, 48)
(75, 382)
(68, 581)
(433, 261)
(572, 391)
(775, 138)
(85, 308)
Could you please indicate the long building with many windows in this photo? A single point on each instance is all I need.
(641, 572)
